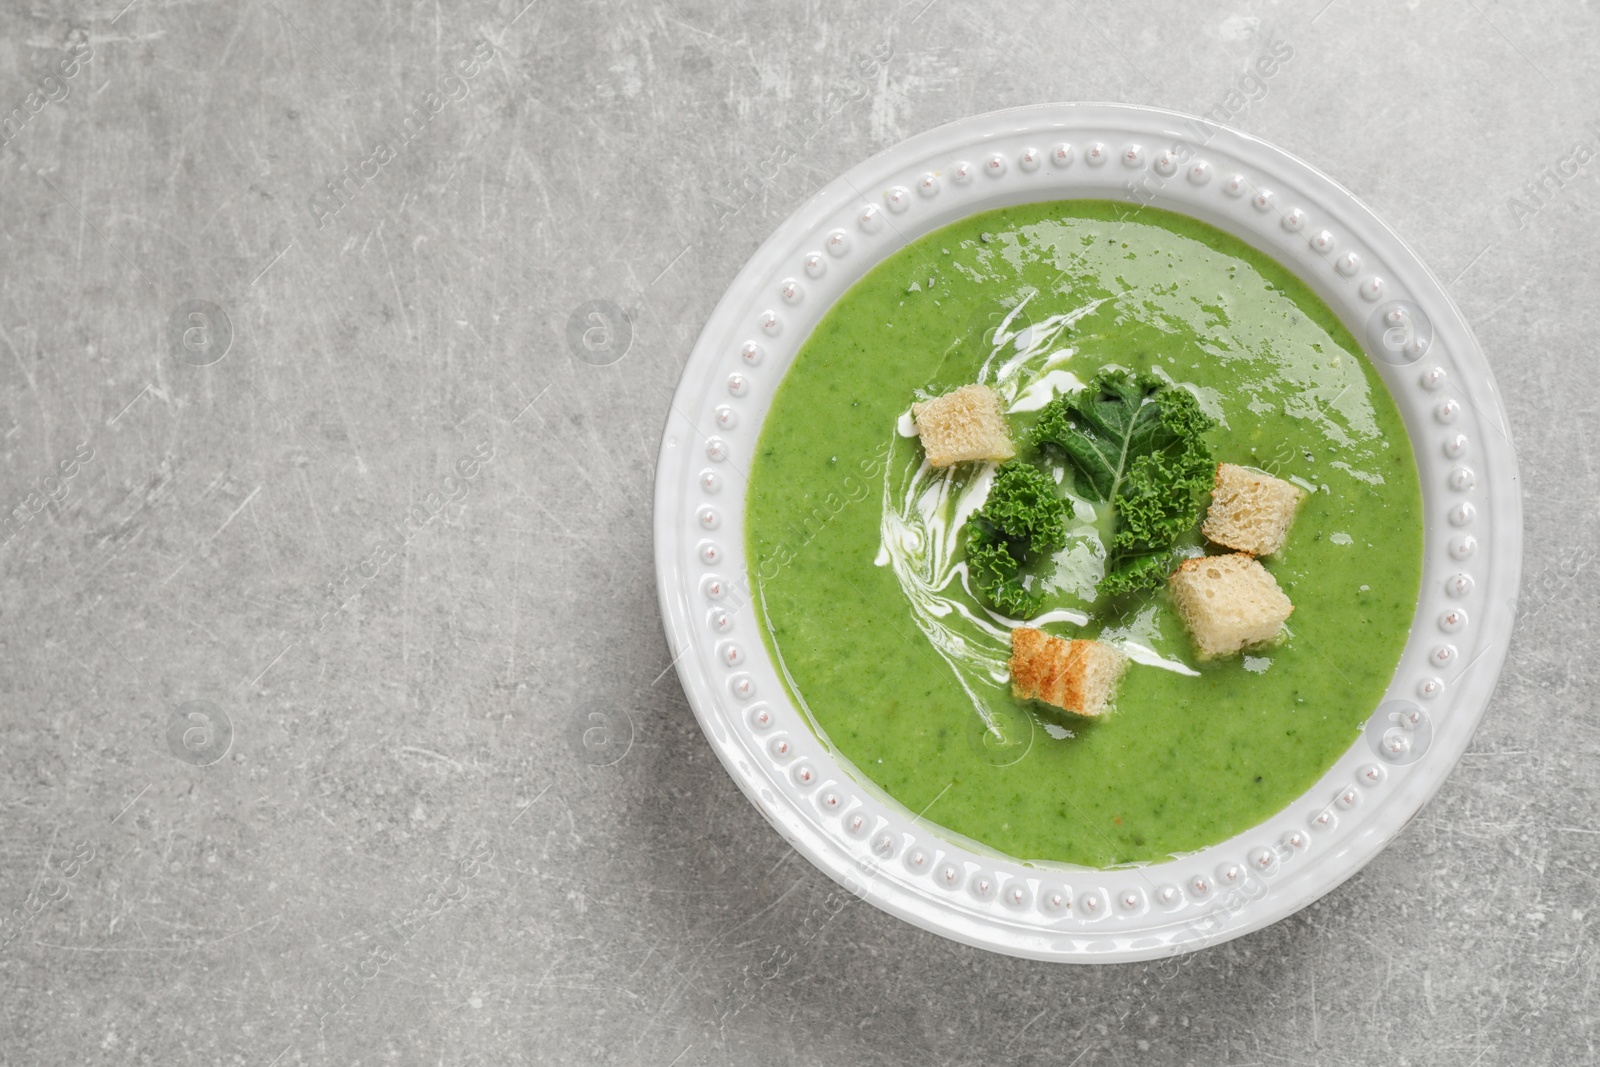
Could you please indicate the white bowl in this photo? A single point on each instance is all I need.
(870, 842)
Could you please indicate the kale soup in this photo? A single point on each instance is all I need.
(1086, 532)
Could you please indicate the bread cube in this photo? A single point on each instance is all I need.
(1250, 511)
(1075, 676)
(963, 425)
(1229, 603)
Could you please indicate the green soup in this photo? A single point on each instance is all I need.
(1195, 751)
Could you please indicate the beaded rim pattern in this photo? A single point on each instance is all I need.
(930, 876)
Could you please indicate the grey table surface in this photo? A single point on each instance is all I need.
(269, 799)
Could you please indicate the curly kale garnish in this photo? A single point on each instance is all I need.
(1135, 443)
(1022, 516)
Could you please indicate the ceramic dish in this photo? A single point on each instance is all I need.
(1425, 355)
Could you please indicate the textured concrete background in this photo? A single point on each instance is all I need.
(296, 682)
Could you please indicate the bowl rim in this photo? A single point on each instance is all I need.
(1373, 791)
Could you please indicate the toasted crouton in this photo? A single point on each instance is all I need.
(963, 425)
(1229, 603)
(1250, 511)
(1075, 676)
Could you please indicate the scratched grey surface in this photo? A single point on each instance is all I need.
(376, 833)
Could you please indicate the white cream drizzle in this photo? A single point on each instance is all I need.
(1041, 392)
(1135, 638)
(925, 510)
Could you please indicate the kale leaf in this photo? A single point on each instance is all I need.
(1022, 515)
(1135, 443)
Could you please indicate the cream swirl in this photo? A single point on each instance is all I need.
(925, 510)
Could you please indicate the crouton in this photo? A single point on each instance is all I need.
(1229, 603)
(963, 425)
(1250, 511)
(1075, 676)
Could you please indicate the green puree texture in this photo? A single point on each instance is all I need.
(1183, 762)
